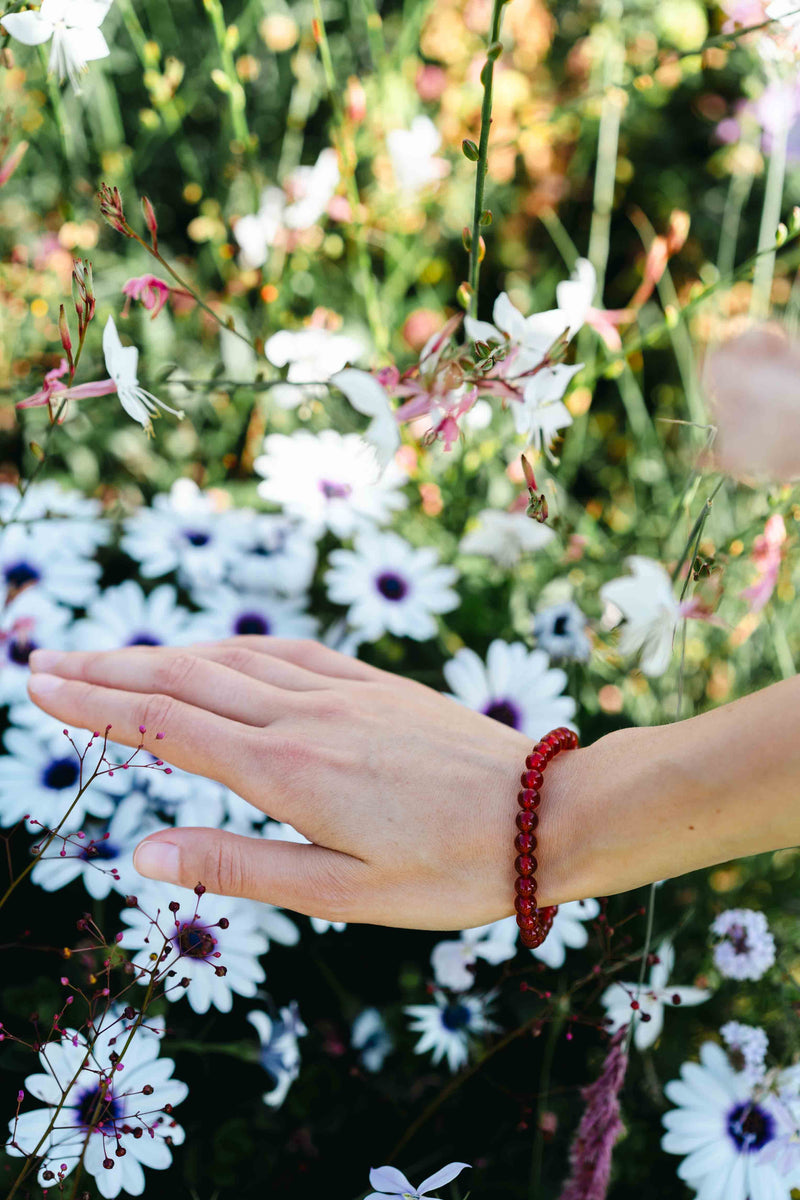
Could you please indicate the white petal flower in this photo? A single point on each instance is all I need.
(73, 25)
(125, 616)
(371, 1039)
(447, 1027)
(230, 612)
(413, 155)
(560, 630)
(391, 1182)
(28, 622)
(647, 601)
(370, 398)
(48, 558)
(280, 1053)
(311, 190)
(451, 960)
(505, 537)
(652, 1000)
(747, 1046)
(61, 514)
(122, 363)
(746, 949)
(256, 232)
(575, 295)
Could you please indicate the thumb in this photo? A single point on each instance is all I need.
(308, 879)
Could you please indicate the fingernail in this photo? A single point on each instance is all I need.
(44, 685)
(45, 660)
(158, 860)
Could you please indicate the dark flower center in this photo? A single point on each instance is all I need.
(196, 537)
(20, 650)
(144, 639)
(251, 623)
(103, 849)
(560, 625)
(391, 586)
(195, 941)
(266, 549)
(751, 1127)
(99, 1113)
(504, 712)
(334, 491)
(456, 1016)
(19, 574)
(60, 773)
(737, 936)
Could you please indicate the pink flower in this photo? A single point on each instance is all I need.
(52, 386)
(152, 291)
(767, 554)
(590, 1154)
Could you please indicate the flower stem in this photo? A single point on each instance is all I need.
(225, 38)
(487, 79)
(770, 216)
(537, 1154)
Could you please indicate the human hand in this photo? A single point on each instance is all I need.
(407, 797)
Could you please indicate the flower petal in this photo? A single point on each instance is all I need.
(442, 1177)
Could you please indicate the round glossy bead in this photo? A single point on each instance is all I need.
(525, 887)
(532, 940)
(535, 761)
(527, 821)
(573, 739)
(554, 740)
(527, 924)
(524, 905)
(525, 864)
(532, 779)
(525, 843)
(528, 799)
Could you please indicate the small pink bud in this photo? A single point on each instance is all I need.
(159, 736)
(20, 1096)
(150, 220)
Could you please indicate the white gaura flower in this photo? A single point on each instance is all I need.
(560, 629)
(505, 537)
(647, 601)
(370, 398)
(329, 480)
(257, 232)
(652, 999)
(391, 1182)
(311, 190)
(451, 960)
(725, 1131)
(390, 586)
(125, 616)
(447, 1027)
(219, 960)
(746, 949)
(515, 686)
(371, 1039)
(99, 1124)
(73, 25)
(312, 356)
(413, 155)
(122, 363)
(280, 1053)
(228, 612)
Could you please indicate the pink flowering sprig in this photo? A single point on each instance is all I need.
(112, 210)
(183, 937)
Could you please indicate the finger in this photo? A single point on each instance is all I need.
(195, 740)
(241, 654)
(304, 652)
(169, 672)
(307, 879)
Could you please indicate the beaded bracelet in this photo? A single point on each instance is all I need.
(534, 923)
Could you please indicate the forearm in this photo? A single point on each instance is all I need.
(647, 804)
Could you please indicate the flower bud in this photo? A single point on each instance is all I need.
(470, 150)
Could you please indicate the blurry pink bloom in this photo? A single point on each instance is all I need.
(767, 554)
(150, 290)
(601, 1125)
(435, 388)
(9, 166)
(52, 386)
(754, 384)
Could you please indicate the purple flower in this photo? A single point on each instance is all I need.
(590, 1154)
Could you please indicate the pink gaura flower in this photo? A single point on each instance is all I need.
(52, 387)
(150, 290)
(767, 555)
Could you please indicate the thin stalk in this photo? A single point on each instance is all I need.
(235, 91)
(770, 217)
(374, 24)
(607, 149)
(648, 937)
(739, 190)
(694, 536)
(537, 1154)
(482, 165)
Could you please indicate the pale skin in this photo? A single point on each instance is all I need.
(409, 798)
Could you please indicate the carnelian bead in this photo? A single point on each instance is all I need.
(535, 761)
(532, 940)
(525, 905)
(527, 821)
(524, 887)
(527, 924)
(532, 779)
(573, 739)
(553, 740)
(528, 799)
(525, 864)
(525, 843)
(544, 748)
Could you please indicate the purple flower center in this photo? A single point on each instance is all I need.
(20, 650)
(737, 936)
(750, 1127)
(455, 1017)
(99, 1112)
(144, 639)
(391, 586)
(334, 491)
(60, 773)
(196, 941)
(103, 849)
(197, 537)
(560, 625)
(17, 575)
(503, 711)
(251, 623)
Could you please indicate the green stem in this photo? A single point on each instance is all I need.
(487, 79)
(770, 216)
(235, 91)
(537, 1154)
(607, 146)
(648, 937)
(739, 190)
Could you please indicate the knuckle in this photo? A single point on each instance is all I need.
(157, 711)
(337, 894)
(237, 656)
(175, 671)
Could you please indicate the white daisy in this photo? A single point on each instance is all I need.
(723, 1130)
(505, 537)
(128, 1116)
(647, 601)
(746, 949)
(747, 1049)
(451, 960)
(652, 999)
(277, 555)
(311, 356)
(413, 155)
(371, 1039)
(516, 686)
(280, 1053)
(212, 941)
(390, 586)
(560, 630)
(29, 622)
(229, 612)
(568, 931)
(75, 518)
(189, 531)
(447, 1027)
(103, 856)
(330, 480)
(125, 616)
(73, 26)
(46, 558)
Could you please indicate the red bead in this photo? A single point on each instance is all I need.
(532, 940)
(573, 739)
(525, 843)
(524, 905)
(532, 779)
(527, 821)
(554, 740)
(525, 864)
(527, 924)
(524, 887)
(528, 799)
(535, 761)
